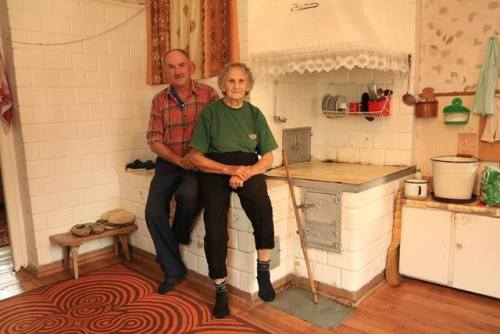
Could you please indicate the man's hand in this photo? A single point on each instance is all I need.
(187, 162)
(235, 182)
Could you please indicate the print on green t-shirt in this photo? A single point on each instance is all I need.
(224, 129)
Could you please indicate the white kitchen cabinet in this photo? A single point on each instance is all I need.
(425, 244)
(455, 249)
(476, 261)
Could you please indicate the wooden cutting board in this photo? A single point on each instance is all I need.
(487, 151)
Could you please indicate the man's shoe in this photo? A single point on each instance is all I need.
(169, 285)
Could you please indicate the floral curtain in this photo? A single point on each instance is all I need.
(185, 30)
(220, 35)
(158, 28)
(206, 29)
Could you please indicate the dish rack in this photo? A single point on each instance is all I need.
(349, 96)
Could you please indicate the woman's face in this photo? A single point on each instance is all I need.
(237, 84)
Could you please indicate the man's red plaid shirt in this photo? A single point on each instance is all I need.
(173, 125)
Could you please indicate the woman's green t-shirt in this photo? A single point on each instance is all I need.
(223, 129)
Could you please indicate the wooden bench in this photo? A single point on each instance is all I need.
(70, 243)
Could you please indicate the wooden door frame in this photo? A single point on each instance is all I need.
(14, 198)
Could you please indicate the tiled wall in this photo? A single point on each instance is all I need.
(83, 108)
(270, 25)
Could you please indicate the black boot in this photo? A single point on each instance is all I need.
(266, 290)
(221, 307)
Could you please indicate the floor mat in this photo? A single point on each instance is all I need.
(113, 300)
(299, 303)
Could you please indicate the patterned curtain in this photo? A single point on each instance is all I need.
(206, 29)
(158, 27)
(185, 30)
(220, 35)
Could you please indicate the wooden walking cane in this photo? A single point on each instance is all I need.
(300, 231)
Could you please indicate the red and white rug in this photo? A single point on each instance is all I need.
(113, 300)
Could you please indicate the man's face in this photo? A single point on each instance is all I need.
(178, 69)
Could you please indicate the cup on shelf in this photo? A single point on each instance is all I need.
(354, 107)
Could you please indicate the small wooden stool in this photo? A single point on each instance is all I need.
(71, 243)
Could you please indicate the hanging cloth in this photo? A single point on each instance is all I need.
(5, 96)
(484, 100)
(491, 131)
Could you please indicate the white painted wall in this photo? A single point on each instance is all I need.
(82, 107)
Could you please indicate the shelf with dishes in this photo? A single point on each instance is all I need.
(373, 101)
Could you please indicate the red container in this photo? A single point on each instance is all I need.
(382, 106)
(354, 106)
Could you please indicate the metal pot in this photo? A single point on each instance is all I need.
(416, 188)
(426, 109)
(453, 177)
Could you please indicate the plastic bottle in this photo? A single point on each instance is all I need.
(418, 174)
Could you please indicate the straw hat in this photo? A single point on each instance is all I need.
(119, 217)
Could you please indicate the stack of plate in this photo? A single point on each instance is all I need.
(336, 103)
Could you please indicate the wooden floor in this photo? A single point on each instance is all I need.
(415, 307)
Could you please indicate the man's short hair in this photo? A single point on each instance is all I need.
(184, 52)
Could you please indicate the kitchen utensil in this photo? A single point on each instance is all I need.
(300, 230)
(381, 106)
(392, 268)
(331, 103)
(456, 113)
(416, 188)
(324, 102)
(365, 98)
(428, 94)
(372, 91)
(341, 103)
(380, 93)
(453, 177)
(424, 109)
(409, 99)
(354, 106)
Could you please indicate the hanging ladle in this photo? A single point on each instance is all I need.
(409, 99)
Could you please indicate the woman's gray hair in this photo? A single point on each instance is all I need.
(222, 78)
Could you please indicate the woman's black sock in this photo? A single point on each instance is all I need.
(266, 290)
(221, 307)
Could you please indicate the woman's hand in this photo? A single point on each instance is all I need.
(235, 182)
(243, 172)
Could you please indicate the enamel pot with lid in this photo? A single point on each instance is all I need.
(416, 188)
(453, 177)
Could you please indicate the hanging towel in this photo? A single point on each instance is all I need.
(484, 100)
(5, 96)
(491, 131)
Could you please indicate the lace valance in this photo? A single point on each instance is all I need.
(326, 59)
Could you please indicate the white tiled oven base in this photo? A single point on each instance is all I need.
(366, 234)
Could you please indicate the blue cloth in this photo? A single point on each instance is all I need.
(170, 179)
(484, 100)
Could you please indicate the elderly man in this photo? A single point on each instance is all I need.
(174, 113)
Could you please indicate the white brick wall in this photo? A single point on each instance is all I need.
(78, 118)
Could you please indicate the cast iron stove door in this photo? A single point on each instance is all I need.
(322, 225)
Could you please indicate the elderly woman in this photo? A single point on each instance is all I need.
(227, 140)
